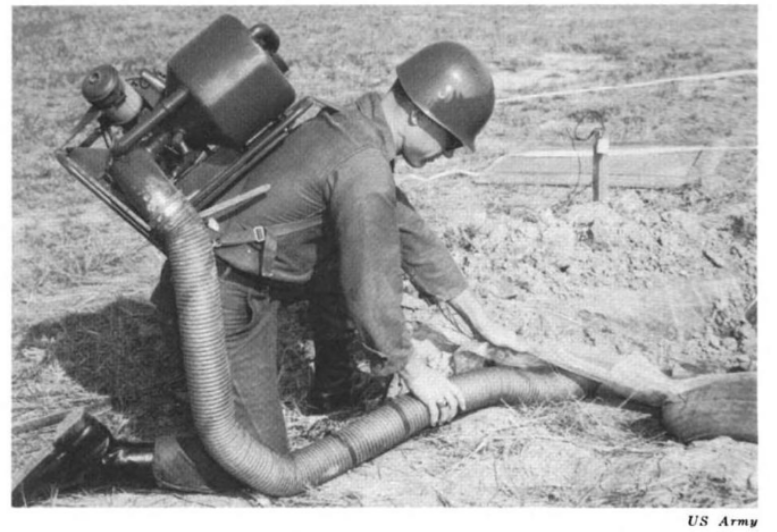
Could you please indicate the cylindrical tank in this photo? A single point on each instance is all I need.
(235, 88)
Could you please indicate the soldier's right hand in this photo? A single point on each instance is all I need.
(442, 398)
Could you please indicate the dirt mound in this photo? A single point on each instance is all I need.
(643, 271)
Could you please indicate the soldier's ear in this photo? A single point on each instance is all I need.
(414, 118)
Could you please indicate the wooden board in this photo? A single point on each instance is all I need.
(644, 168)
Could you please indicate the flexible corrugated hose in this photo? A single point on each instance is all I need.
(190, 253)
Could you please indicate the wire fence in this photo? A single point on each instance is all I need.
(641, 84)
(645, 160)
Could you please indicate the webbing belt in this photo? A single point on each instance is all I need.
(267, 236)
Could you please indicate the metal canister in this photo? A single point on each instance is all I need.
(104, 88)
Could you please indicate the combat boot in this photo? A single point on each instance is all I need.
(85, 454)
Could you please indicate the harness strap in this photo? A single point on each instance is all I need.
(255, 235)
(267, 236)
(297, 225)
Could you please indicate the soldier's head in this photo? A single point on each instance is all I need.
(448, 97)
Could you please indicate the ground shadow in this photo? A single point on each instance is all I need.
(119, 351)
(648, 427)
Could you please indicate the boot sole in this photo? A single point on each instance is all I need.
(69, 431)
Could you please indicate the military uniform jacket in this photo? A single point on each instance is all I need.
(338, 168)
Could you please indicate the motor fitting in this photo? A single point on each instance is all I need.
(104, 88)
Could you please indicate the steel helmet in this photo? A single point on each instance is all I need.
(451, 86)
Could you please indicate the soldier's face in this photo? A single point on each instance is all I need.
(427, 141)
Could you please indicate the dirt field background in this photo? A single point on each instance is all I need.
(664, 273)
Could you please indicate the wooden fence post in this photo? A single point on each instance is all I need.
(599, 181)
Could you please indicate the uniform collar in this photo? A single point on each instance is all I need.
(369, 106)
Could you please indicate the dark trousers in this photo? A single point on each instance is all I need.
(250, 309)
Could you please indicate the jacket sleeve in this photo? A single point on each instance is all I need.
(363, 212)
(425, 258)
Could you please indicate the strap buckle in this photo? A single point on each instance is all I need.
(255, 235)
(260, 234)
